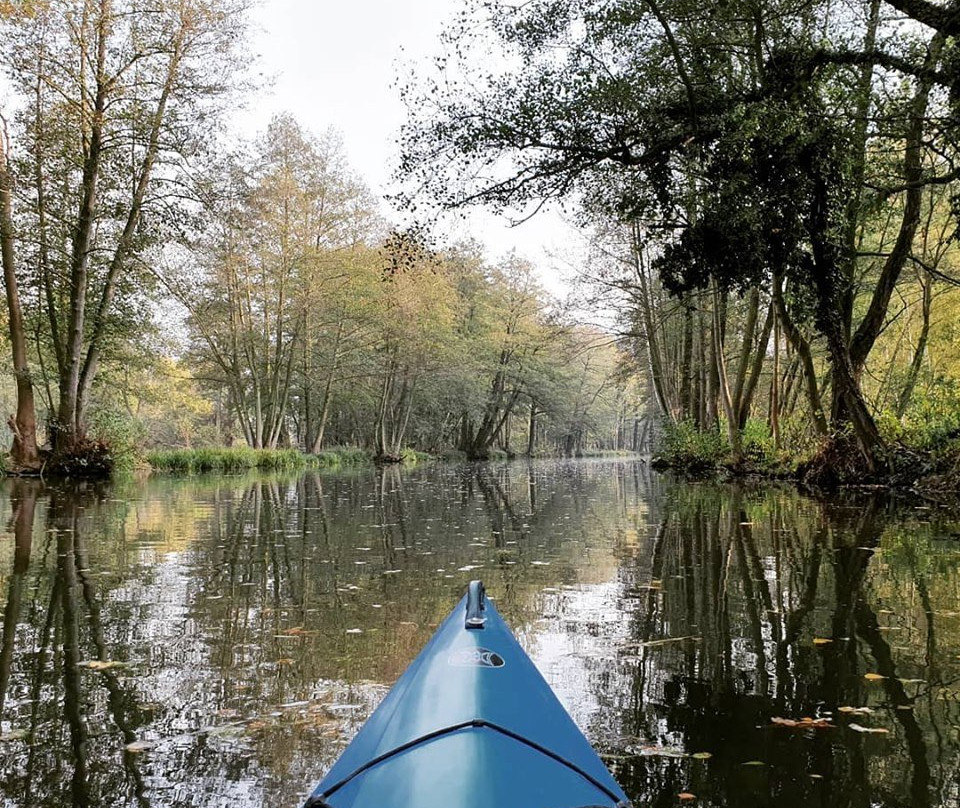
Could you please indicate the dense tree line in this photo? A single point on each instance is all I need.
(786, 171)
(114, 99)
(770, 191)
(308, 323)
(314, 325)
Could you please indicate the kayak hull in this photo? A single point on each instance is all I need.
(470, 724)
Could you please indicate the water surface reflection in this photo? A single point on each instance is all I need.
(217, 641)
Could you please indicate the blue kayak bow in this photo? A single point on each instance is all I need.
(470, 724)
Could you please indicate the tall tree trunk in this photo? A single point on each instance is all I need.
(749, 388)
(746, 347)
(125, 242)
(532, 428)
(69, 427)
(873, 321)
(24, 424)
(858, 170)
(651, 331)
(730, 414)
(325, 403)
(775, 386)
(849, 405)
(805, 356)
(686, 360)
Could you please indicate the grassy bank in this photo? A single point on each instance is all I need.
(236, 460)
(927, 462)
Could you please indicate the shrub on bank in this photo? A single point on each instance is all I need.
(687, 447)
(412, 456)
(87, 458)
(119, 434)
(931, 422)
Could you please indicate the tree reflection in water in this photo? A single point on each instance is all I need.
(798, 610)
(217, 641)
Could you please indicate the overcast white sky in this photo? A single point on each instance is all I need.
(334, 64)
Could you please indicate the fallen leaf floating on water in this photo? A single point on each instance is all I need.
(802, 723)
(686, 796)
(876, 730)
(855, 710)
(821, 641)
(701, 755)
(873, 677)
(138, 746)
(102, 665)
(652, 750)
(753, 763)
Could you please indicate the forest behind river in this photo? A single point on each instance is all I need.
(766, 193)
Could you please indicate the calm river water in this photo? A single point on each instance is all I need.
(216, 641)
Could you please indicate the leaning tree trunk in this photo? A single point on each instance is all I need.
(804, 358)
(24, 424)
(733, 427)
(849, 406)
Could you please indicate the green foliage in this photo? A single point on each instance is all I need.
(757, 440)
(413, 457)
(341, 456)
(186, 461)
(687, 447)
(234, 460)
(86, 458)
(931, 420)
(120, 432)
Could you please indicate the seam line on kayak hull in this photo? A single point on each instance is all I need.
(318, 800)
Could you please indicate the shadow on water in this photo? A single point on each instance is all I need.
(217, 641)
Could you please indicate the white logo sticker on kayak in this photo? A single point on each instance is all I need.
(475, 658)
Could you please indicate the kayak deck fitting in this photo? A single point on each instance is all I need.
(470, 724)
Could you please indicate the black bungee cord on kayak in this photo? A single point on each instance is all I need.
(476, 723)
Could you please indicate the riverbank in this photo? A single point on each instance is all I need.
(930, 470)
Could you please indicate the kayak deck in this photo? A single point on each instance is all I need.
(470, 724)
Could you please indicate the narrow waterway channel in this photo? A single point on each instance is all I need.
(216, 641)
